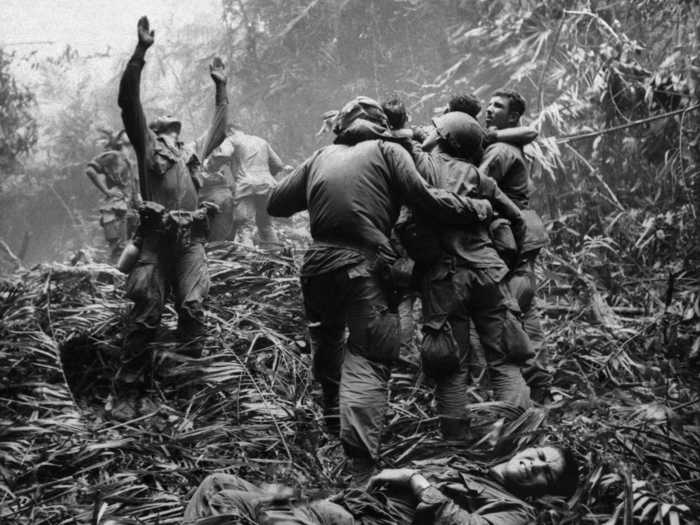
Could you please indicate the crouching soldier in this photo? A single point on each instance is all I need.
(112, 174)
(447, 492)
(353, 190)
(173, 226)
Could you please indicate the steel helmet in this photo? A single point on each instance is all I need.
(462, 133)
(359, 108)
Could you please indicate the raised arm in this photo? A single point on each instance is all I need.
(217, 131)
(129, 101)
(445, 206)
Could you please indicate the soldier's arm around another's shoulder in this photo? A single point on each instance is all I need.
(444, 206)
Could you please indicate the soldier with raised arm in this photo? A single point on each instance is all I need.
(173, 226)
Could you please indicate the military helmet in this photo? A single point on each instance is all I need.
(162, 124)
(359, 107)
(462, 133)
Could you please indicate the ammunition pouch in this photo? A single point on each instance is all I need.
(440, 353)
(177, 228)
(536, 236)
(516, 343)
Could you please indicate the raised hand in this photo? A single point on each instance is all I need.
(145, 33)
(217, 70)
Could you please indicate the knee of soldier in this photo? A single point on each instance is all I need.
(143, 285)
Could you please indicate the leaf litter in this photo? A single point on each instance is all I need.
(622, 397)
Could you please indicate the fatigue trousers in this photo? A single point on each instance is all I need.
(235, 500)
(353, 374)
(451, 294)
(522, 284)
(253, 208)
(163, 268)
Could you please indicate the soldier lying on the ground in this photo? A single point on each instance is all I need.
(448, 492)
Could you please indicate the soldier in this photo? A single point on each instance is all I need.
(254, 165)
(462, 277)
(353, 190)
(218, 187)
(447, 493)
(505, 163)
(173, 227)
(112, 174)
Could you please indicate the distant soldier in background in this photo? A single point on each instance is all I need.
(112, 174)
(218, 187)
(254, 165)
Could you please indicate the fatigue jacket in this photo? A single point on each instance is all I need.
(253, 164)
(353, 193)
(166, 171)
(472, 244)
(469, 497)
(505, 163)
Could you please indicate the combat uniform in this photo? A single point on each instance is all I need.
(462, 277)
(353, 190)
(218, 187)
(172, 230)
(505, 163)
(254, 165)
(118, 214)
(464, 495)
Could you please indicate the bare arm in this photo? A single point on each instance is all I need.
(99, 180)
(273, 161)
(130, 102)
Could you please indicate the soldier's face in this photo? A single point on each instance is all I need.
(498, 113)
(535, 468)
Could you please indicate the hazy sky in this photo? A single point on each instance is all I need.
(90, 24)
